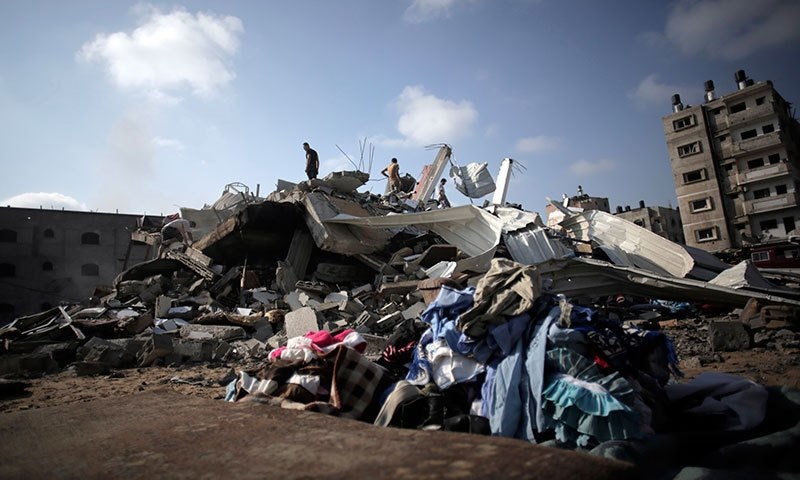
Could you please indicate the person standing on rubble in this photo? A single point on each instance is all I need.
(392, 172)
(179, 230)
(443, 201)
(312, 161)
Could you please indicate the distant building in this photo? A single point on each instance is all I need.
(735, 165)
(50, 256)
(580, 202)
(660, 220)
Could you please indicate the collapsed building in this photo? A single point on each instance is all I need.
(385, 309)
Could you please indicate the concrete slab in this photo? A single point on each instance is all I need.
(165, 435)
(300, 322)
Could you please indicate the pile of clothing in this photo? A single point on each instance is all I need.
(503, 358)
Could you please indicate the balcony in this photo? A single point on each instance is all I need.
(754, 113)
(760, 142)
(768, 204)
(761, 173)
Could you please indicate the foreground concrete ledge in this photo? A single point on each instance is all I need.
(167, 435)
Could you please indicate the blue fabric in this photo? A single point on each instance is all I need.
(513, 404)
(499, 341)
(442, 313)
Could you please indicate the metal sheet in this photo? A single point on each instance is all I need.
(588, 278)
(533, 246)
(644, 248)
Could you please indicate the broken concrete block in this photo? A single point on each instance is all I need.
(217, 332)
(293, 300)
(414, 311)
(375, 345)
(728, 336)
(263, 332)
(100, 351)
(388, 322)
(155, 347)
(222, 351)
(194, 350)
(308, 300)
(367, 287)
(365, 320)
(135, 325)
(353, 307)
(340, 298)
(300, 322)
(163, 304)
(264, 296)
(274, 341)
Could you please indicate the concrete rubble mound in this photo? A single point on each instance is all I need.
(480, 320)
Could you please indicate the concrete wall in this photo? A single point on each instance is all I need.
(44, 260)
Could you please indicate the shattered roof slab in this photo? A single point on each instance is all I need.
(642, 248)
(338, 237)
(473, 230)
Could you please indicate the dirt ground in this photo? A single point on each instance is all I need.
(771, 364)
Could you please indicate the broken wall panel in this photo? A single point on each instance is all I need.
(339, 237)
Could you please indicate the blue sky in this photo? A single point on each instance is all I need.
(144, 107)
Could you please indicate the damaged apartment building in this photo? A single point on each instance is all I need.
(735, 165)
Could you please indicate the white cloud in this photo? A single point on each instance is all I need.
(169, 143)
(45, 200)
(426, 119)
(539, 143)
(169, 52)
(732, 29)
(425, 10)
(585, 167)
(651, 91)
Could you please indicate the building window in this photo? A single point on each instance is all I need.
(47, 267)
(694, 176)
(728, 167)
(689, 149)
(8, 236)
(749, 134)
(761, 193)
(90, 238)
(682, 123)
(700, 205)
(755, 163)
(768, 128)
(774, 158)
(706, 234)
(768, 225)
(760, 101)
(739, 107)
(759, 256)
(49, 233)
(780, 189)
(90, 270)
(716, 111)
(7, 270)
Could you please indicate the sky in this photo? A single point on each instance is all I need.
(147, 107)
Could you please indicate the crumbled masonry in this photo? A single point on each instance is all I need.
(467, 319)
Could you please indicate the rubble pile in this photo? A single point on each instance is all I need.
(468, 319)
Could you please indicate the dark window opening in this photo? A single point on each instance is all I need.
(774, 158)
(694, 176)
(768, 128)
(788, 224)
(7, 270)
(780, 189)
(749, 134)
(755, 163)
(90, 270)
(90, 238)
(9, 236)
(47, 266)
(739, 107)
(760, 101)
(768, 225)
(49, 233)
(761, 193)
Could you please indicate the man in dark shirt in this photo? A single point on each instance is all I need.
(312, 161)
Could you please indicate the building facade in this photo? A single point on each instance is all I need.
(735, 166)
(662, 221)
(53, 256)
(580, 202)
